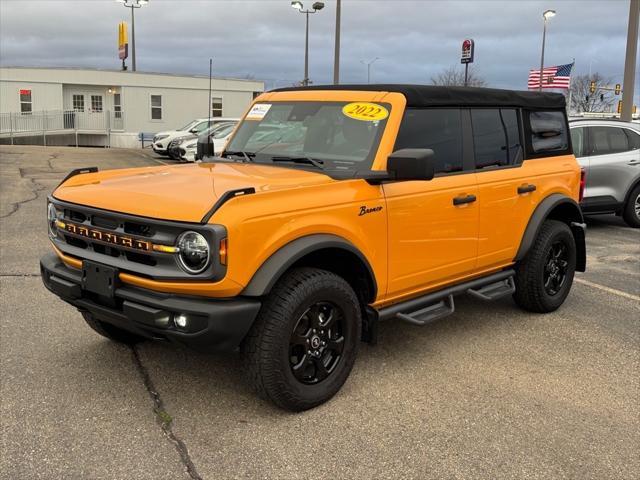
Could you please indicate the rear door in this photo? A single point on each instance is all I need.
(433, 225)
(614, 162)
(508, 189)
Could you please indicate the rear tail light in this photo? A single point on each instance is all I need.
(583, 182)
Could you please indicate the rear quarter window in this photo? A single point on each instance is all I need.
(547, 133)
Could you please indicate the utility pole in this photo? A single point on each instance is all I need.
(630, 61)
(133, 40)
(546, 15)
(316, 7)
(336, 55)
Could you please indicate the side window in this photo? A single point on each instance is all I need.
(26, 103)
(496, 137)
(634, 139)
(438, 129)
(78, 103)
(607, 140)
(216, 107)
(548, 133)
(156, 107)
(578, 141)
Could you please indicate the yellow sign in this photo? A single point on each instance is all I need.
(368, 112)
(123, 41)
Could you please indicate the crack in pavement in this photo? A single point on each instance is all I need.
(38, 187)
(19, 275)
(163, 418)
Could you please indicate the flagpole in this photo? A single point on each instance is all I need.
(569, 106)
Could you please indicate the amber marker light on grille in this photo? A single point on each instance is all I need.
(165, 249)
(60, 224)
(223, 251)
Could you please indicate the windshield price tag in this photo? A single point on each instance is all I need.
(258, 111)
(368, 112)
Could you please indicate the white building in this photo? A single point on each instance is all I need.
(59, 106)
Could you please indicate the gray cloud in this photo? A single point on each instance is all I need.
(265, 39)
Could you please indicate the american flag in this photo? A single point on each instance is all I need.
(552, 77)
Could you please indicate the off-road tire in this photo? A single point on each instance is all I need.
(629, 213)
(530, 291)
(111, 332)
(266, 349)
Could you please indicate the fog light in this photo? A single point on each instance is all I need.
(181, 320)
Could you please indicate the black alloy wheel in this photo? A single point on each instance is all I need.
(316, 343)
(555, 269)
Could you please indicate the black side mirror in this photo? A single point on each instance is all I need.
(204, 149)
(411, 164)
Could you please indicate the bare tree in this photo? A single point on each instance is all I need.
(455, 76)
(582, 100)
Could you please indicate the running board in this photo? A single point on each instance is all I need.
(494, 291)
(436, 305)
(431, 313)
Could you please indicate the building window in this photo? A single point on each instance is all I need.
(26, 105)
(78, 103)
(96, 103)
(117, 105)
(216, 107)
(156, 107)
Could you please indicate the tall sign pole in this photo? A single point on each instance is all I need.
(467, 58)
(630, 61)
(336, 55)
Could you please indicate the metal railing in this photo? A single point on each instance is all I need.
(58, 121)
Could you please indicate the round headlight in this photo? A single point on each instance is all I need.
(52, 218)
(194, 252)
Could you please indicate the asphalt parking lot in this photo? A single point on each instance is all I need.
(490, 392)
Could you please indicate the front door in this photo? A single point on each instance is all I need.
(433, 225)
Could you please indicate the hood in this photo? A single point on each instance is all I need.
(182, 192)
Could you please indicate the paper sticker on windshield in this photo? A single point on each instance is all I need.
(258, 111)
(368, 112)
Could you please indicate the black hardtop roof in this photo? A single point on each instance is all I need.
(440, 96)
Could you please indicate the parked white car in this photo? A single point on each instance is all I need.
(219, 138)
(162, 140)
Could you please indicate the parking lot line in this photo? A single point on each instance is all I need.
(608, 289)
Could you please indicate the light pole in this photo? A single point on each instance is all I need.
(546, 15)
(317, 6)
(133, 4)
(336, 53)
(368, 64)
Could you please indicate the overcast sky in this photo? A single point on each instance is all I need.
(264, 39)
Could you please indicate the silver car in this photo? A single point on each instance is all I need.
(609, 150)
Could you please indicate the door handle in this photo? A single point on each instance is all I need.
(633, 162)
(522, 189)
(463, 200)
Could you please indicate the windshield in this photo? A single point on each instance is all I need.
(339, 135)
(223, 131)
(188, 126)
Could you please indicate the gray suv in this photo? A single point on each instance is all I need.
(609, 151)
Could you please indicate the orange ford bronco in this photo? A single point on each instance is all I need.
(332, 208)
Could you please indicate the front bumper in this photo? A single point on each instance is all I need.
(213, 324)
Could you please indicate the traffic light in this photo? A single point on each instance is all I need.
(619, 106)
(617, 89)
(592, 87)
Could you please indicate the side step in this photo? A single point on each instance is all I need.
(436, 305)
(494, 291)
(431, 313)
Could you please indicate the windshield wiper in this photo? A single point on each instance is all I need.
(311, 161)
(247, 157)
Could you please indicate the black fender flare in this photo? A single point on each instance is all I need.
(279, 262)
(558, 207)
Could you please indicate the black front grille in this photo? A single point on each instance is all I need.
(138, 256)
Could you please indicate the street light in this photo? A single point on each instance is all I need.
(317, 6)
(132, 4)
(546, 15)
(368, 64)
